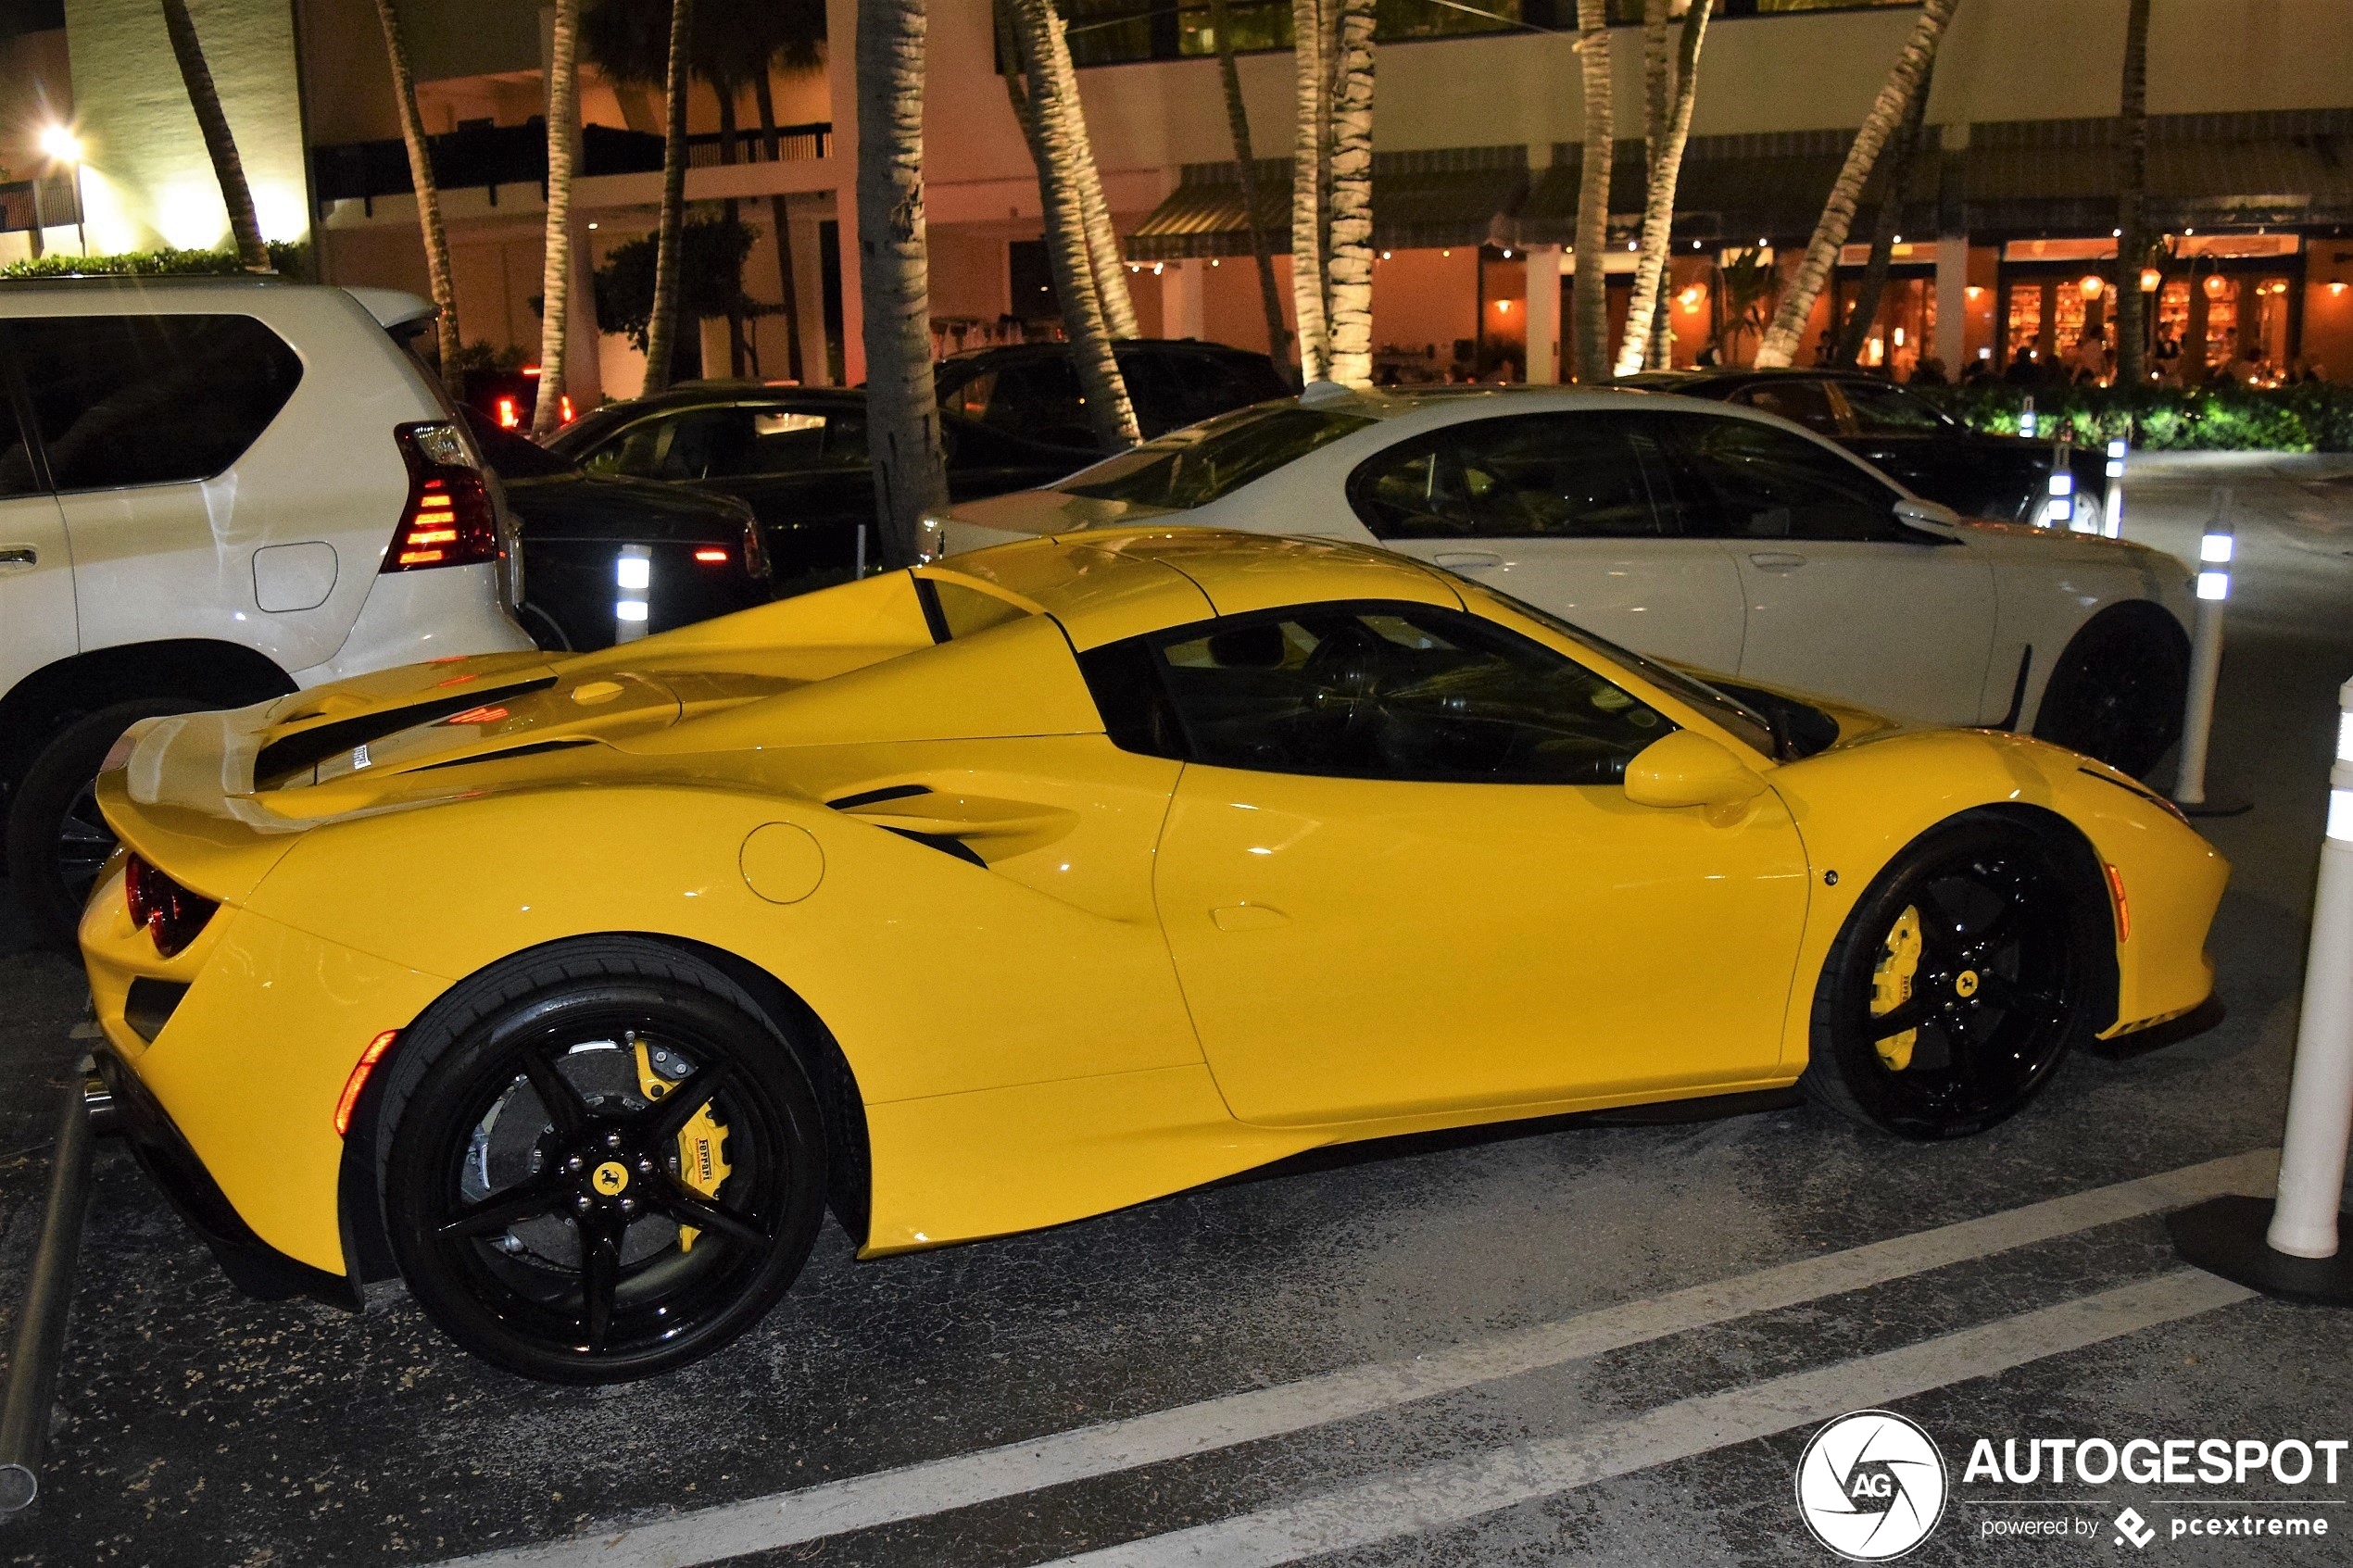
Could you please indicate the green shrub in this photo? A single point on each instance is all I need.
(2315, 417)
(288, 258)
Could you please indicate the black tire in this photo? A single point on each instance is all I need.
(555, 1242)
(58, 841)
(2000, 984)
(2116, 693)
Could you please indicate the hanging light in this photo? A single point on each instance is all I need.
(1507, 253)
(2214, 285)
(1691, 296)
(2337, 287)
(2091, 286)
(2150, 279)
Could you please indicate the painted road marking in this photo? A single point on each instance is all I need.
(1457, 1491)
(932, 1487)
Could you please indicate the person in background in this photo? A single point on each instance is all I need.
(2246, 367)
(2164, 359)
(1930, 371)
(2089, 362)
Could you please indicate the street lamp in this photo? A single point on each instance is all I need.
(61, 146)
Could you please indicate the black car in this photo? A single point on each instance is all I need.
(605, 557)
(1033, 388)
(797, 456)
(2006, 478)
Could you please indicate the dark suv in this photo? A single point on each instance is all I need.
(2006, 478)
(1032, 389)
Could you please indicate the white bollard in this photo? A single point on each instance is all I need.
(2059, 511)
(2290, 1246)
(2026, 418)
(2214, 552)
(2112, 525)
(633, 575)
(2320, 1098)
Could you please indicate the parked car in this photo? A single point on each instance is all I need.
(797, 456)
(2006, 478)
(212, 492)
(1032, 389)
(607, 558)
(1026, 887)
(1714, 535)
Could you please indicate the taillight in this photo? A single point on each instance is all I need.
(712, 554)
(172, 915)
(449, 520)
(509, 414)
(563, 409)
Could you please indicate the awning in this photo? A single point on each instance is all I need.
(1447, 196)
(2284, 167)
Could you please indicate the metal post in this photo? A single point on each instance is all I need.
(48, 1297)
(2291, 1248)
(2214, 551)
(857, 566)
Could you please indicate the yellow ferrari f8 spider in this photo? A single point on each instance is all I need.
(1035, 883)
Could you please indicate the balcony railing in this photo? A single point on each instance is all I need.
(487, 157)
(58, 204)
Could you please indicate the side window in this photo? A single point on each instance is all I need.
(1806, 402)
(1758, 482)
(1536, 476)
(123, 400)
(802, 441)
(973, 398)
(1040, 398)
(1369, 691)
(1880, 409)
(1156, 391)
(690, 443)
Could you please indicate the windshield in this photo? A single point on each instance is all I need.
(1195, 466)
(1752, 728)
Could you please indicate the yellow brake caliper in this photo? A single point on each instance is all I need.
(702, 1161)
(1899, 961)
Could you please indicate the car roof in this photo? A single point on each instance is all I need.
(1005, 351)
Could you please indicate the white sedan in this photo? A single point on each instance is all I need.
(1708, 535)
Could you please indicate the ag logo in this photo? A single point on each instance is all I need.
(1870, 1486)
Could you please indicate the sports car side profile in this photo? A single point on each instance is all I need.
(1035, 882)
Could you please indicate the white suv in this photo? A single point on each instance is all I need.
(214, 492)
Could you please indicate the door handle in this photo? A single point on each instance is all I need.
(1467, 559)
(1776, 560)
(19, 556)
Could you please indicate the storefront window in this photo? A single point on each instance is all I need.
(2023, 333)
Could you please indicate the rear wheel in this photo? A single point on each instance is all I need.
(2116, 693)
(1958, 984)
(57, 839)
(613, 1166)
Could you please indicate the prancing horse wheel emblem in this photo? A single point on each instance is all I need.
(610, 1176)
(1964, 984)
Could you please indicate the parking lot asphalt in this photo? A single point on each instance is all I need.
(1570, 1343)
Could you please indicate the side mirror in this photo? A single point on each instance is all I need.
(1687, 768)
(1927, 514)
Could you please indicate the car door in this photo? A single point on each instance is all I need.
(1842, 597)
(1806, 400)
(37, 615)
(1400, 874)
(799, 465)
(1572, 511)
(1906, 436)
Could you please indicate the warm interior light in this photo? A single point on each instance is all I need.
(1899, 337)
(2214, 286)
(2150, 279)
(2337, 287)
(1503, 307)
(1974, 290)
(1691, 297)
(59, 144)
(348, 1102)
(2091, 286)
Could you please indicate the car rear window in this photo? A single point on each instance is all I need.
(139, 399)
(1193, 467)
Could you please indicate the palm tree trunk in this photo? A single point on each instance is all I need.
(555, 271)
(1647, 321)
(437, 238)
(1306, 191)
(1592, 193)
(764, 98)
(1888, 222)
(902, 410)
(1658, 92)
(1102, 236)
(733, 211)
(227, 168)
(1350, 277)
(1781, 343)
(2131, 189)
(661, 324)
(1238, 121)
(1108, 413)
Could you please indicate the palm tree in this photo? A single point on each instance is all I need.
(1078, 278)
(1592, 193)
(1884, 228)
(1349, 279)
(2132, 188)
(1650, 331)
(661, 327)
(437, 238)
(1306, 190)
(1102, 237)
(902, 410)
(227, 168)
(1238, 121)
(791, 32)
(1838, 213)
(555, 269)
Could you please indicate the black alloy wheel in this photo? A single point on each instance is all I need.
(2117, 691)
(1958, 984)
(58, 841)
(609, 1177)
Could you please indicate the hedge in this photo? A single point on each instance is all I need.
(287, 258)
(2311, 417)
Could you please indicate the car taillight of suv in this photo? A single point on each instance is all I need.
(449, 520)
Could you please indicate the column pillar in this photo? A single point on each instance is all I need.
(1543, 314)
(1952, 303)
(1183, 309)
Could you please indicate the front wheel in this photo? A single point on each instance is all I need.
(608, 1175)
(1958, 984)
